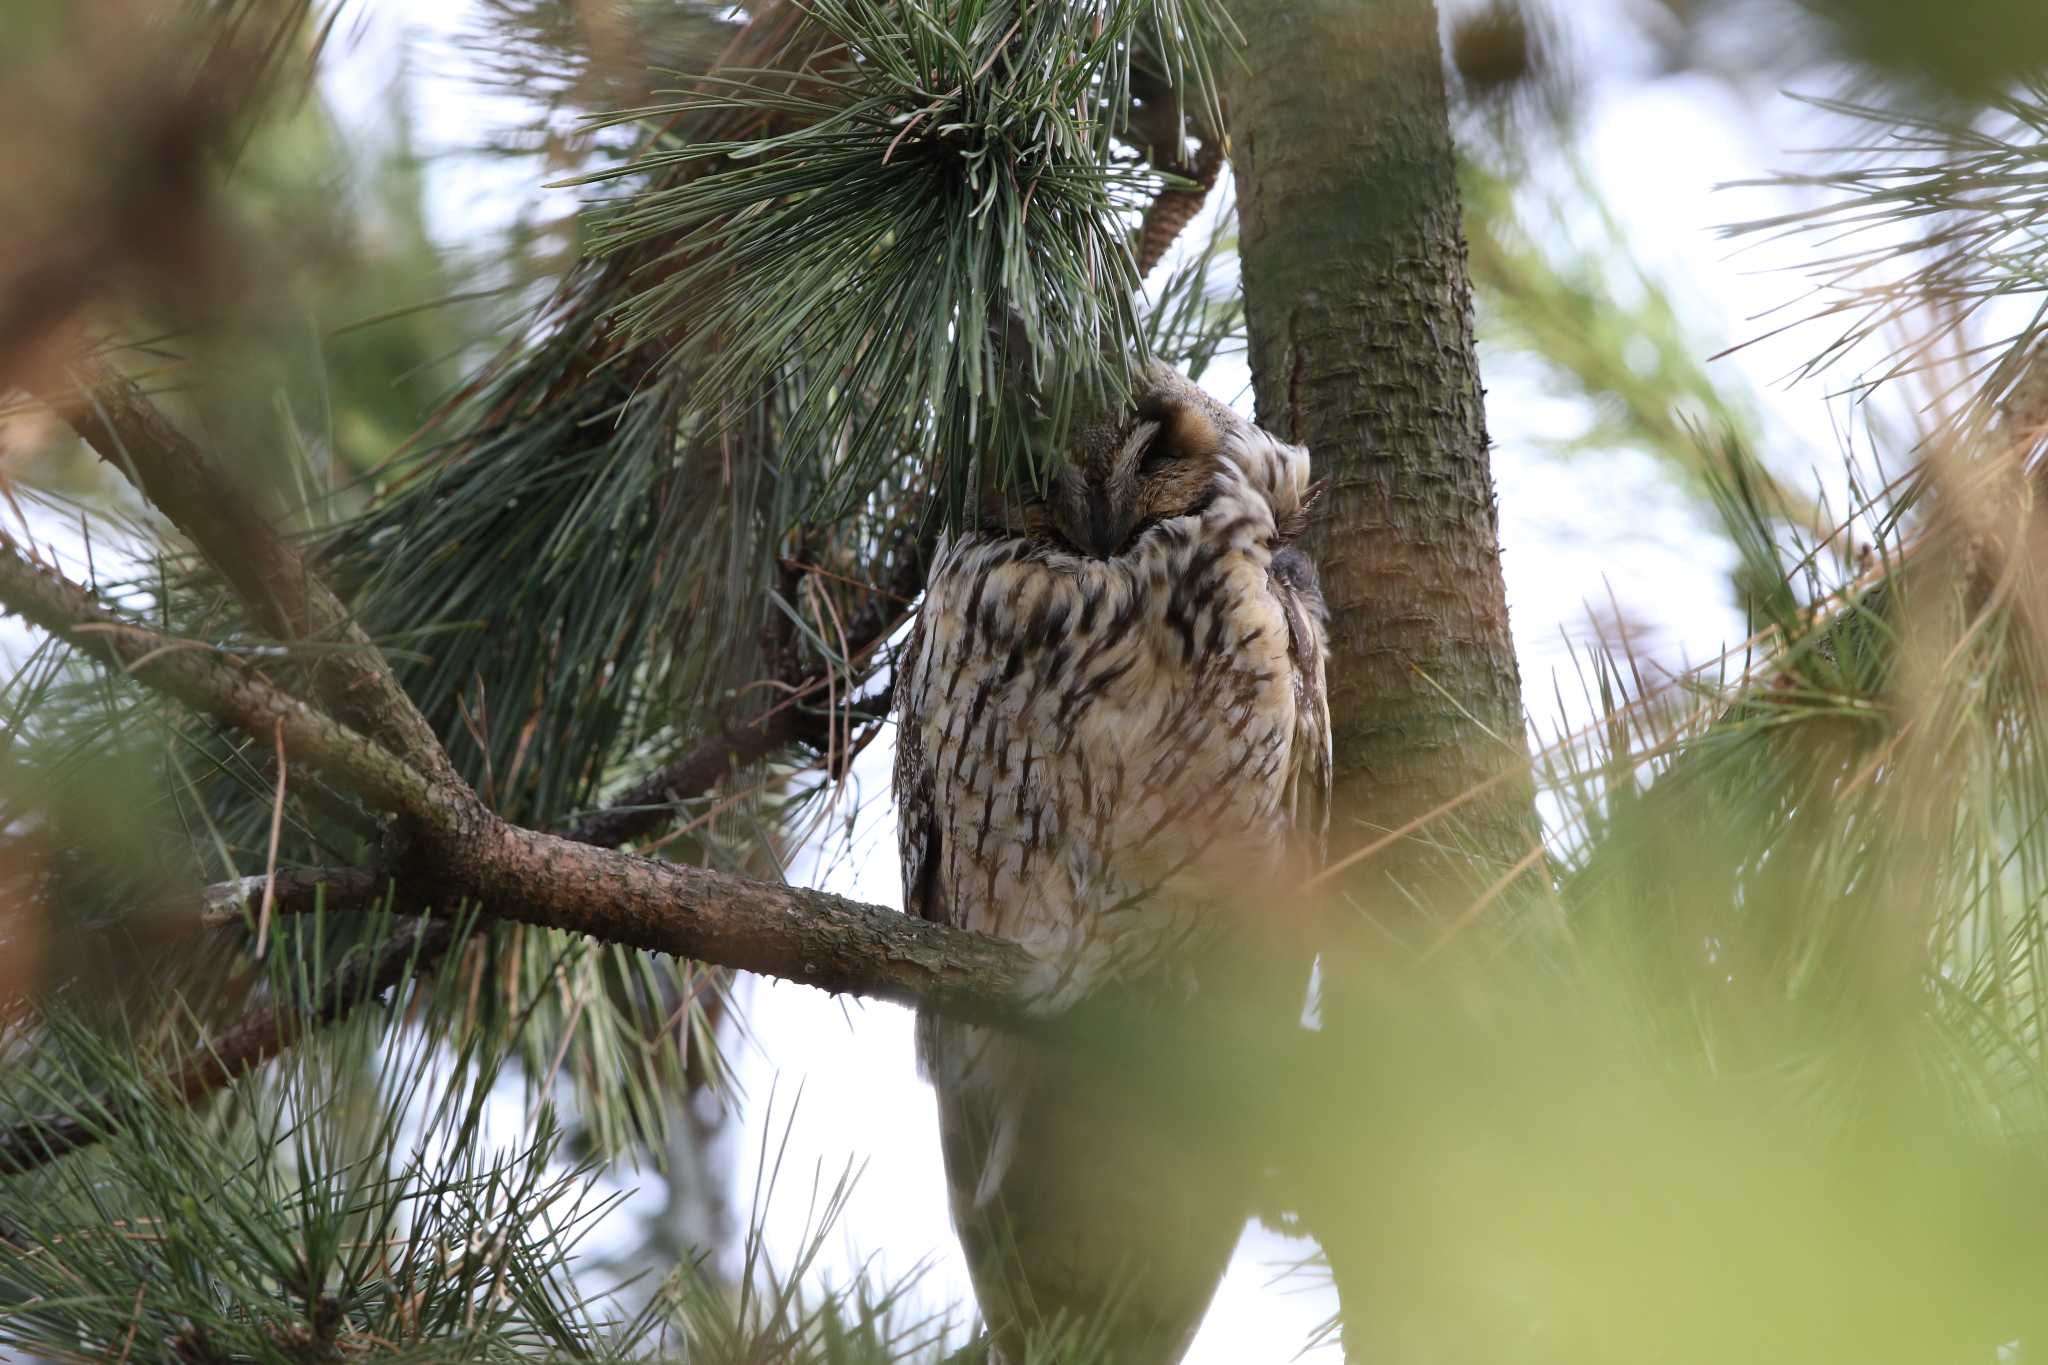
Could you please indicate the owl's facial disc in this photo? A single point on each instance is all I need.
(1160, 465)
(1096, 500)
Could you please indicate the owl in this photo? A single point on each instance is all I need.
(1113, 748)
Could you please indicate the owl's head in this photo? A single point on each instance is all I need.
(1159, 462)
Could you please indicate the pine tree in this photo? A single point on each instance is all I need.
(340, 808)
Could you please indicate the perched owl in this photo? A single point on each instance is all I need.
(1112, 727)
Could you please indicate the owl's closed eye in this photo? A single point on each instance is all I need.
(1160, 462)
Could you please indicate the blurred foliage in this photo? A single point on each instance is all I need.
(323, 323)
(116, 114)
(1933, 256)
(1970, 50)
(385, 324)
(1571, 291)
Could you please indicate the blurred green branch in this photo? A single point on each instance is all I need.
(1599, 318)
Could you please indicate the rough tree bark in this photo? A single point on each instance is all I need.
(1360, 317)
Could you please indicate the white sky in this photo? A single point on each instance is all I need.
(1602, 530)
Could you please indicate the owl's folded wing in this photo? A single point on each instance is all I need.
(1309, 761)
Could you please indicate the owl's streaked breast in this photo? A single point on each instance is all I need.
(1099, 739)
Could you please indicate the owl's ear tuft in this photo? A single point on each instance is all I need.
(1187, 425)
(1295, 524)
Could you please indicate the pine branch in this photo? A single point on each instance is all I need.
(209, 681)
(461, 852)
(281, 594)
(297, 891)
(810, 937)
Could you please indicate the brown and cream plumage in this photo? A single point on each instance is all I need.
(1112, 726)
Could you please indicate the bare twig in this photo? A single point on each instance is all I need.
(651, 804)
(295, 891)
(270, 859)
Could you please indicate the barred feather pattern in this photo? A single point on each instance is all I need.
(1099, 757)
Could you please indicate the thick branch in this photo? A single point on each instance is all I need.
(466, 852)
(254, 1040)
(282, 596)
(810, 937)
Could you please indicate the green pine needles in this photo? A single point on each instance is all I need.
(926, 207)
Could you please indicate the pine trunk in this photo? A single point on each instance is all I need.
(1360, 317)
(1360, 314)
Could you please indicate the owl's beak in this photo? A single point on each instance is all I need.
(1106, 529)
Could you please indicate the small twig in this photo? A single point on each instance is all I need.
(954, 93)
(772, 684)
(732, 799)
(478, 725)
(910, 123)
(134, 1324)
(297, 892)
(850, 582)
(270, 862)
(651, 803)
